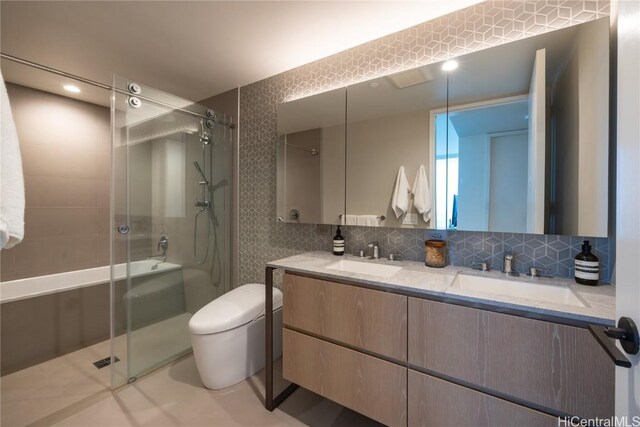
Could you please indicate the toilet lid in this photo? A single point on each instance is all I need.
(235, 308)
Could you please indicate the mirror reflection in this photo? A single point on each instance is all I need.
(526, 145)
(311, 159)
(509, 139)
(389, 168)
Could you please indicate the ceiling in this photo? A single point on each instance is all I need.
(494, 118)
(198, 49)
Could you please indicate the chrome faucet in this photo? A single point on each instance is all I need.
(481, 266)
(163, 244)
(374, 250)
(508, 268)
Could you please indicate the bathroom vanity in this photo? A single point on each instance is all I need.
(411, 345)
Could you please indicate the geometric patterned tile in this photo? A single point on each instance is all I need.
(478, 27)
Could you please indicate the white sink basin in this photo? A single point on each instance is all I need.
(369, 268)
(519, 289)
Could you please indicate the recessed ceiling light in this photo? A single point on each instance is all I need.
(71, 88)
(374, 84)
(450, 65)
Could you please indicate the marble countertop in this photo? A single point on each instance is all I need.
(417, 279)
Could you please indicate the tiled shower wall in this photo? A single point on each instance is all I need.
(485, 25)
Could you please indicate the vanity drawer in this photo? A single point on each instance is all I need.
(371, 320)
(437, 403)
(557, 367)
(368, 385)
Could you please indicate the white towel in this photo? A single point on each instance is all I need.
(422, 194)
(368, 220)
(349, 220)
(11, 179)
(400, 197)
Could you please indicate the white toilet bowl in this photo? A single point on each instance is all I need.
(228, 335)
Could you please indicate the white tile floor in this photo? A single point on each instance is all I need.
(68, 391)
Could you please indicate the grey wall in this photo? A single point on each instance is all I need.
(473, 183)
(481, 26)
(581, 106)
(376, 150)
(508, 189)
(65, 146)
(303, 172)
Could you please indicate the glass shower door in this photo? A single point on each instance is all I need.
(171, 209)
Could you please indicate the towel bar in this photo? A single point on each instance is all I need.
(380, 217)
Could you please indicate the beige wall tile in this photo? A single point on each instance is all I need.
(7, 265)
(43, 191)
(45, 118)
(48, 255)
(66, 153)
(50, 222)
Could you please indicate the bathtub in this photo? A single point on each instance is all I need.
(15, 290)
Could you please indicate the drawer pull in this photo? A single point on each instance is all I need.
(626, 332)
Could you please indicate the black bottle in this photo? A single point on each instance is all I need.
(338, 243)
(587, 271)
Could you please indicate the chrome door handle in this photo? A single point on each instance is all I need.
(626, 332)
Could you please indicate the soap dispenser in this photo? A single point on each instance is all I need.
(587, 268)
(338, 243)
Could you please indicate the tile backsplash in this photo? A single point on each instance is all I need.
(554, 255)
(484, 25)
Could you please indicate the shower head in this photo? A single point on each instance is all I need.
(199, 169)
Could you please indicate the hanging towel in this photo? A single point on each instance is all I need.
(368, 220)
(11, 179)
(422, 194)
(349, 220)
(400, 197)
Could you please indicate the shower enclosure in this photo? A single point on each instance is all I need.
(171, 206)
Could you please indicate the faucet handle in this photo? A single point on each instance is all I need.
(163, 243)
(535, 272)
(482, 266)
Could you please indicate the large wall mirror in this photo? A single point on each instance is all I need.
(388, 148)
(509, 139)
(311, 159)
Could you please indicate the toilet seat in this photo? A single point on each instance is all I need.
(233, 309)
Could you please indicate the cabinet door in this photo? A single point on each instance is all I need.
(558, 367)
(370, 320)
(437, 403)
(368, 385)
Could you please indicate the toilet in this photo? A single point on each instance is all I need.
(228, 335)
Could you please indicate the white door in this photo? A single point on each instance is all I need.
(628, 198)
(536, 158)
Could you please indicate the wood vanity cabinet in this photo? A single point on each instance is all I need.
(437, 403)
(544, 364)
(410, 361)
(366, 384)
(369, 320)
